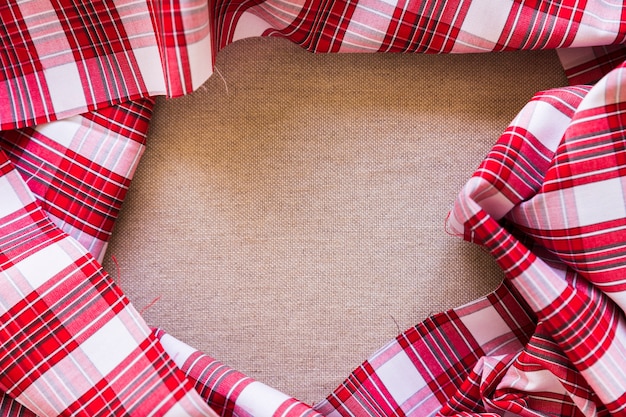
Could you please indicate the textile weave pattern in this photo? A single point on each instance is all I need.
(67, 329)
(76, 85)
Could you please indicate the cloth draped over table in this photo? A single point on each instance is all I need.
(548, 202)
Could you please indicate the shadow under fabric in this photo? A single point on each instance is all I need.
(547, 203)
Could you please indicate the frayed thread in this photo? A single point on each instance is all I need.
(223, 79)
(152, 303)
(117, 281)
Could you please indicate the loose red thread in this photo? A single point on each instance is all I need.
(118, 273)
(447, 230)
(117, 268)
(153, 302)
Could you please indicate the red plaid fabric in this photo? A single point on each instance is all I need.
(80, 168)
(548, 203)
(183, 31)
(71, 342)
(76, 79)
(227, 391)
(588, 65)
(61, 58)
(425, 367)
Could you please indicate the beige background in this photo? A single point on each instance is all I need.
(288, 216)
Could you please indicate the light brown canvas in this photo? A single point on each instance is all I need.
(287, 218)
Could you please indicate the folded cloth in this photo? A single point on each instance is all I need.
(71, 342)
(80, 168)
(227, 391)
(548, 202)
(76, 79)
(61, 58)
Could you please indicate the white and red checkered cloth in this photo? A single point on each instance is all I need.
(549, 202)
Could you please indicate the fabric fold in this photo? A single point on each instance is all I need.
(71, 342)
(80, 168)
(540, 204)
(554, 339)
(227, 391)
(548, 203)
(63, 58)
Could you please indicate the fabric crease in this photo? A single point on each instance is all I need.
(77, 81)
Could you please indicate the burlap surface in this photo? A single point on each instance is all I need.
(287, 218)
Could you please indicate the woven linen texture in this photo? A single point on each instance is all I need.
(548, 203)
